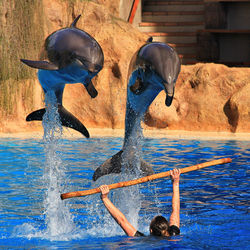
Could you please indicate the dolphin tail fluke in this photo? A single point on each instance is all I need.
(66, 118)
(40, 64)
(36, 115)
(113, 165)
(70, 121)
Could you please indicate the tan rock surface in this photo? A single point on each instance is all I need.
(239, 108)
(208, 97)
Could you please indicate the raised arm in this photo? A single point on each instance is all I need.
(116, 213)
(175, 215)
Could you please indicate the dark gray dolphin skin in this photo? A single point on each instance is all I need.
(153, 68)
(73, 56)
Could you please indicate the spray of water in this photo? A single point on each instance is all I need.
(59, 224)
(128, 199)
(58, 219)
(99, 222)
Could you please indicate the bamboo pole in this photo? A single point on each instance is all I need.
(145, 179)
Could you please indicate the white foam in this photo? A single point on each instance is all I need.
(58, 219)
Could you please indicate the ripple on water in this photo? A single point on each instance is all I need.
(214, 201)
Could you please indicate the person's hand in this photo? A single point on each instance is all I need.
(175, 175)
(104, 190)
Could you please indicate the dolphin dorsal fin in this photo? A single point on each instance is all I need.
(150, 40)
(112, 165)
(73, 25)
(115, 164)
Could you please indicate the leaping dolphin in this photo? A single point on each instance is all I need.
(73, 57)
(153, 68)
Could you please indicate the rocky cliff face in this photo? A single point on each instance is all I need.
(208, 97)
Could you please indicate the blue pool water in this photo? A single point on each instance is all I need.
(214, 200)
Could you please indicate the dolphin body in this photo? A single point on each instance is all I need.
(73, 56)
(153, 68)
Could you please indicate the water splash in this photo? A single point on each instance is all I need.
(132, 148)
(58, 219)
(98, 221)
(127, 200)
(130, 198)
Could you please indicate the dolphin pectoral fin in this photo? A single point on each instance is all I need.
(138, 87)
(112, 165)
(91, 89)
(70, 121)
(36, 115)
(146, 169)
(40, 64)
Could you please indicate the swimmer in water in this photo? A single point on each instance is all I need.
(159, 225)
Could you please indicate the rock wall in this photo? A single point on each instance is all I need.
(208, 97)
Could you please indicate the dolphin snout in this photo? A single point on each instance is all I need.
(169, 99)
(169, 94)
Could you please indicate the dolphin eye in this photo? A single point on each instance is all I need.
(138, 87)
(151, 67)
(148, 67)
(82, 60)
(143, 67)
(98, 67)
(72, 55)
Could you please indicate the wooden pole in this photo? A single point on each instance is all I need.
(144, 179)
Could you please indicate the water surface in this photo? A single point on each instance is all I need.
(214, 201)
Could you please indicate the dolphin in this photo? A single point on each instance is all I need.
(153, 68)
(73, 56)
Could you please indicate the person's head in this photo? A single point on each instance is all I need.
(159, 226)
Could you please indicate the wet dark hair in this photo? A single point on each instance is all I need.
(159, 226)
